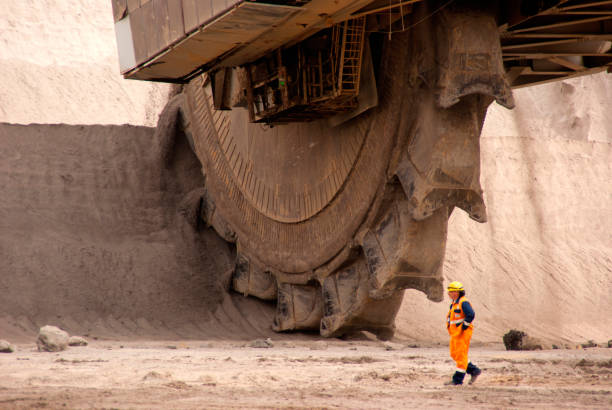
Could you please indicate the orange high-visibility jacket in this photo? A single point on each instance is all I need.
(460, 314)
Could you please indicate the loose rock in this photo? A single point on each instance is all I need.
(393, 346)
(513, 340)
(518, 340)
(52, 339)
(77, 341)
(262, 343)
(6, 347)
(319, 345)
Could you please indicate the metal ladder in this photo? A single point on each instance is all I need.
(353, 35)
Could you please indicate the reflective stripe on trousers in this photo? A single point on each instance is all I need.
(460, 345)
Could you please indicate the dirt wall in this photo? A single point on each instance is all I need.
(93, 237)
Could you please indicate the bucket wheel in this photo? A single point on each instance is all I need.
(335, 222)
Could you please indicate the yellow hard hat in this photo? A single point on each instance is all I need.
(455, 287)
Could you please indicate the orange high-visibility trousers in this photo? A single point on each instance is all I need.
(459, 346)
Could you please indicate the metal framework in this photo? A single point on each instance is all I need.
(176, 41)
(317, 78)
(571, 38)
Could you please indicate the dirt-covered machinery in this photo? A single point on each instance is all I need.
(336, 137)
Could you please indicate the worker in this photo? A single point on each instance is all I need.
(459, 325)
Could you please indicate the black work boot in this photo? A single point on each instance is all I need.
(473, 371)
(457, 379)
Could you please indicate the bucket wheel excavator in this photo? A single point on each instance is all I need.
(337, 137)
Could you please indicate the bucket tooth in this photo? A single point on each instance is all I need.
(209, 214)
(250, 279)
(190, 208)
(402, 252)
(345, 294)
(470, 60)
(349, 307)
(441, 165)
(298, 307)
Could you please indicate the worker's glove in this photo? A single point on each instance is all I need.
(464, 326)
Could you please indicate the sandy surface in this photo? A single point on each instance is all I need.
(576, 109)
(298, 374)
(59, 64)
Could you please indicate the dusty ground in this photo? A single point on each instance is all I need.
(298, 374)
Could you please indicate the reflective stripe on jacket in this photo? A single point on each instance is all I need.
(457, 317)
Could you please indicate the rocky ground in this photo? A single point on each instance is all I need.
(302, 373)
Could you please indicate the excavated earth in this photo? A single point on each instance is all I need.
(95, 237)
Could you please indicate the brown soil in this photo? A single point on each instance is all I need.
(94, 238)
(298, 374)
